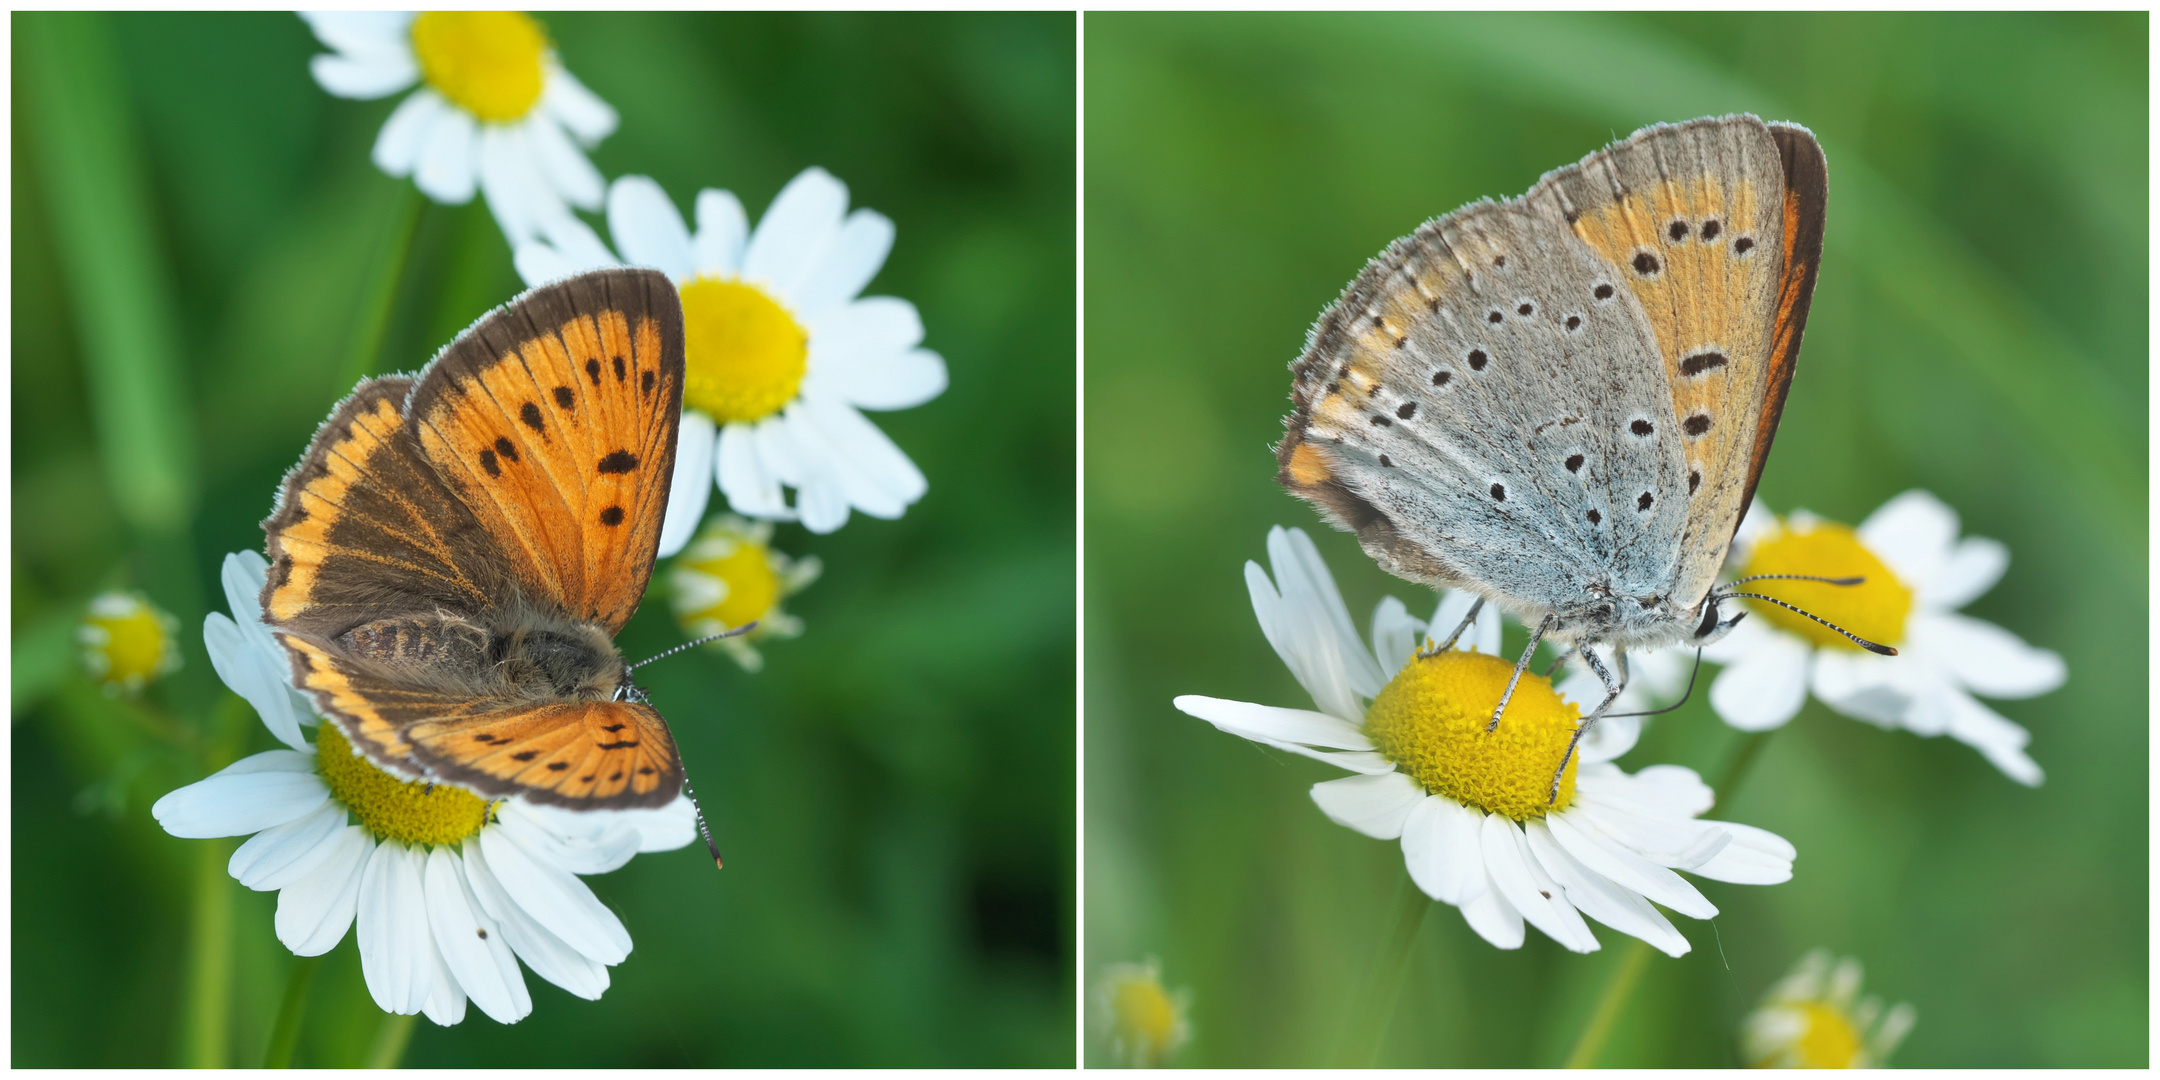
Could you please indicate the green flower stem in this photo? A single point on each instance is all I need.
(373, 322)
(390, 1040)
(206, 1010)
(1375, 1006)
(1609, 1006)
(1614, 1000)
(285, 1034)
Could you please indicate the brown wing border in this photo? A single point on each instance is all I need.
(1807, 190)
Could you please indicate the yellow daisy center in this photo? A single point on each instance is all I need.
(394, 809)
(745, 355)
(126, 642)
(1830, 1041)
(1144, 1015)
(1874, 609)
(1430, 721)
(486, 62)
(751, 587)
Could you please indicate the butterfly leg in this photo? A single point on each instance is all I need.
(1535, 637)
(1467, 619)
(1612, 692)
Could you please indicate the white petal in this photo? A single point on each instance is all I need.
(1274, 724)
(1493, 918)
(1765, 686)
(579, 109)
(1309, 587)
(555, 899)
(1609, 738)
(1757, 522)
(579, 247)
(1988, 659)
(250, 674)
(750, 488)
(445, 168)
(648, 229)
(362, 31)
(1999, 740)
(796, 231)
(1362, 762)
(1441, 849)
(722, 229)
(1584, 837)
(406, 133)
(877, 476)
(547, 955)
(278, 856)
(1309, 627)
(1657, 790)
(1375, 805)
(667, 827)
(1526, 887)
(1912, 534)
(1877, 689)
(396, 956)
(692, 484)
(563, 167)
(445, 1003)
(1754, 857)
(1601, 899)
(580, 842)
(516, 193)
(470, 944)
(1395, 634)
(1974, 566)
(377, 76)
(538, 263)
(314, 912)
(248, 796)
(885, 383)
(866, 237)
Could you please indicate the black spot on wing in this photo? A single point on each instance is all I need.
(613, 515)
(564, 398)
(621, 461)
(530, 413)
(487, 461)
(507, 449)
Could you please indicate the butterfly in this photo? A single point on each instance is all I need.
(1563, 402)
(453, 556)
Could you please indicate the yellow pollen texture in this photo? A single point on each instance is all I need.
(752, 588)
(1875, 609)
(1143, 1013)
(745, 356)
(127, 640)
(486, 62)
(1830, 1041)
(391, 808)
(1430, 721)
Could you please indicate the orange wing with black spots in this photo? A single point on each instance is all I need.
(583, 753)
(554, 421)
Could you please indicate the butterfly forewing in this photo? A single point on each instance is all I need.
(1566, 398)
(554, 421)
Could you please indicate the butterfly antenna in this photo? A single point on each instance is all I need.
(1684, 696)
(1856, 639)
(1799, 577)
(743, 629)
(700, 812)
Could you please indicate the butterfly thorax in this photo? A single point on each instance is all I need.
(531, 656)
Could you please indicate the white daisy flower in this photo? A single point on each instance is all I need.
(730, 576)
(1918, 574)
(449, 890)
(1470, 807)
(496, 109)
(1141, 1023)
(1810, 1020)
(126, 642)
(782, 353)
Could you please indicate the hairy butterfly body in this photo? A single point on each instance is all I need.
(451, 559)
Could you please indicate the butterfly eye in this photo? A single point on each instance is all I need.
(1709, 617)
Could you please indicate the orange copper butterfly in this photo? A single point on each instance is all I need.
(1562, 402)
(451, 559)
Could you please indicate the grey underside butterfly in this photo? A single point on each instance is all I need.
(1563, 402)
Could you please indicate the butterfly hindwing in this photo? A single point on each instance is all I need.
(585, 754)
(554, 421)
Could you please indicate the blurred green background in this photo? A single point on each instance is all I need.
(1979, 330)
(893, 793)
